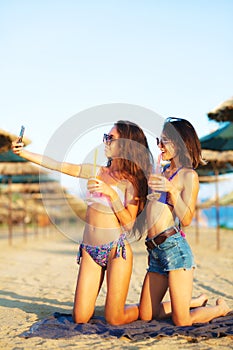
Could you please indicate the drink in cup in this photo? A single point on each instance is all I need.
(155, 176)
(154, 195)
(92, 181)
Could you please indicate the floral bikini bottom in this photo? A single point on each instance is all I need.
(100, 253)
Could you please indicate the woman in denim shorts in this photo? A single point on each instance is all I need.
(172, 201)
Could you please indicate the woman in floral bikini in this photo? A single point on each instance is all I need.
(171, 262)
(118, 196)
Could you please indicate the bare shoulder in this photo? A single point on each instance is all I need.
(189, 172)
(102, 170)
(189, 175)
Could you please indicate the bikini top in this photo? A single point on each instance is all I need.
(100, 198)
(164, 195)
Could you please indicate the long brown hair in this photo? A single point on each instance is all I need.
(134, 163)
(182, 133)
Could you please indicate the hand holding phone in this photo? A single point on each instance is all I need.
(21, 134)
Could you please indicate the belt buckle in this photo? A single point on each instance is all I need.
(154, 244)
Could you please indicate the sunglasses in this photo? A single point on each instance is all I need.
(170, 120)
(162, 141)
(108, 139)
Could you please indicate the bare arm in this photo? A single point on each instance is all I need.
(125, 212)
(76, 170)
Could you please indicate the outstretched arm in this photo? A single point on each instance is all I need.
(47, 162)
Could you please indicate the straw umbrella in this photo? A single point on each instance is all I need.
(23, 185)
(49, 186)
(6, 139)
(227, 199)
(5, 143)
(218, 151)
(223, 112)
(212, 177)
(11, 165)
(67, 201)
(24, 177)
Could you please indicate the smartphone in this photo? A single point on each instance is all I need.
(21, 134)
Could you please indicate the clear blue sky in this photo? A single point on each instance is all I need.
(61, 57)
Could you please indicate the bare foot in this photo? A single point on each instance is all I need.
(224, 308)
(199, 301)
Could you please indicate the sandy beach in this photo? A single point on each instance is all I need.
(38, 278)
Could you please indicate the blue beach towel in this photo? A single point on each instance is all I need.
(62, 326)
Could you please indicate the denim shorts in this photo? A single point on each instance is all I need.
(173, 254)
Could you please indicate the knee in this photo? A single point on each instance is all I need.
(144, 316)
(113, 320)
(181, 321)
(114, 317)
(77, 318)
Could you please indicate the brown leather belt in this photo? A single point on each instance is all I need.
(153, 242)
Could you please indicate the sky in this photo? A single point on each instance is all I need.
(61, 57)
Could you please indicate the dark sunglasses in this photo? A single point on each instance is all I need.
(162, 141)
(108, 139)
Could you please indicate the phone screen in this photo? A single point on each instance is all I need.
(21, 133)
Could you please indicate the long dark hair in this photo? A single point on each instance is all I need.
(182, 133)
(134, 164)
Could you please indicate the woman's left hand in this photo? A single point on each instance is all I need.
(101, 187)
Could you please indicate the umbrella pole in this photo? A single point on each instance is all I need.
(217, 205)
(35, 219)
(24, 220)
(9, 211)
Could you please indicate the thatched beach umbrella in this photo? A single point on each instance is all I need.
(227, 199)
(223, 159)
(6, 139)
(5, 143)
(22, 185)
(66, 201)
(44, 187)
(18, 168)
(207, 179)
(13, 165)
(219, 163)
(223, 112)
(217, 149)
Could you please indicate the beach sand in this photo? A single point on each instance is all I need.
(38, 277)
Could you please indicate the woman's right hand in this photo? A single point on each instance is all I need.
(17, 146)
(155, 182)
